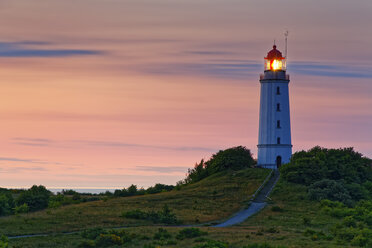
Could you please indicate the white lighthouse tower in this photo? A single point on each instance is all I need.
(274, 136)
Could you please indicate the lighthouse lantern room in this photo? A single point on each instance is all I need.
(274, 138)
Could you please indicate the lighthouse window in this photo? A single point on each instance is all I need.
(278, 140)
(277, 124)
(278, 90)
(278, 107)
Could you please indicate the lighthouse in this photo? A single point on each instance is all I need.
(274, 135)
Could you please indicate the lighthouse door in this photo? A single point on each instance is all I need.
(278, 161)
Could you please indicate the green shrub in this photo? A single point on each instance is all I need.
(87, 244)
(123, 234)
(276, 209)
(4, 242)
(306, 221)
(165, 216)
(37, 197)
(264, 245)
(212, 244)
(54, 204)
(92, 233)
(104, 240)
(136, 214)
(349, 221)
(309, 232)
(335, 174)
(189, 233)
(149, 246)
(235, 158)
(5, 204)
(162, 234)
(330, 189)
(21, 209)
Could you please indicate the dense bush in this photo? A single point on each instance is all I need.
(98, 237)
(336, 174)
(21, 209)
(164, 216)
(356, 223)
(307, 167)
(92, 233)
(329, 189)
(105, 240)
(6, 203)
(162, 234)
(189, 233)
(264, 245)
(212, 244)
(4, 242)
(37, 197)
(159, 188)
(235, 158)
(133, 190)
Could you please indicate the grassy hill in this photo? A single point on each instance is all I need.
(280, 225)
(323, 199)
(210, 199)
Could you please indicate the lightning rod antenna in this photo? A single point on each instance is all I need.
(286, 41)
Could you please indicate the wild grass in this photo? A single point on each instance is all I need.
(287, 217)
(211, 199)
(285, 225)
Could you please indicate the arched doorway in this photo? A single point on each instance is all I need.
(278, 161)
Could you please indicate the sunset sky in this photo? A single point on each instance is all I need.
(106, 93)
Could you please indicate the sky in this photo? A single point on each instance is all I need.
(105, 94)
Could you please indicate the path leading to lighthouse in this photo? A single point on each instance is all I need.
(258, 203)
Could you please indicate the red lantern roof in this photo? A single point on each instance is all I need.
(274, 54)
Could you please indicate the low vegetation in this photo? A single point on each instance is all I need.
(335, 174)
(323, 199)
(215, 197)
(236, 158)
(165, 216)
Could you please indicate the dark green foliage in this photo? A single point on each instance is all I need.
(87, 244)
(132, 190)
(235, 158)
(330, 189)
(356, 224)
(159, 188)
(6, 203)
(165, 216)
(336, 174)
(264, 245)
(21, 209)
(92, 233)
(307, 167)
(149, 246)
(36, 197)
(136, 214)
(98, 237)
(69, 192)
(306, 221)
(4, 242)
(105, 240)
(189, 233)
(162, 234)
(276, 209)
(212, 244)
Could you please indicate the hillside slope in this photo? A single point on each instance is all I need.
(213, 198)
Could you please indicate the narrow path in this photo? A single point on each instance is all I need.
(257, 204)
